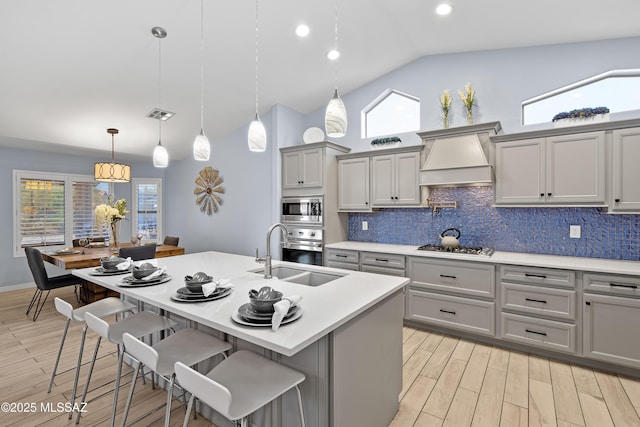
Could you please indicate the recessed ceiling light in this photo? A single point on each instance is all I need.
(302, 30)
(333, 54)
(443, 9)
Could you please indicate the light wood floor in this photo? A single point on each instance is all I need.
(447, 381)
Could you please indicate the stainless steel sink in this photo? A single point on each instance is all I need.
(300, 276)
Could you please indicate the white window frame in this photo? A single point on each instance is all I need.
(135, 182)
(377, 101)
(586, 82)
(68, 179)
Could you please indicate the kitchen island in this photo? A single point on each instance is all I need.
(348, 341)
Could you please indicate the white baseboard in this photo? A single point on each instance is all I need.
(16, 287)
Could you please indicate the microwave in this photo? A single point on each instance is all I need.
(302, 210)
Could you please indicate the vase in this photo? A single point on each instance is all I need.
(469, 117)
(113, 235)
(445, 122)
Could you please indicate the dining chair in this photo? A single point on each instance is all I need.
(101, 308)
(139, 324)
(189, 346)
(239, 385)
(138, 253)
(171, 240)
(44, 283)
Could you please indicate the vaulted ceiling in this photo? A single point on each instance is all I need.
(72, 68)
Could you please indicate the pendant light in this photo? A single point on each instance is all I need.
(201, 146)
(160, 153)
(335, 118)
(257, 136)
(112, 172)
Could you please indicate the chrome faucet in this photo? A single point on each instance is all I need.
(267, 258)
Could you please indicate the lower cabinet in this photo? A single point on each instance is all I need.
(453, 312)
(610, 332)
(339, 258)
(541, 333)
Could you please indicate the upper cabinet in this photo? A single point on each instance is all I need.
(625, 191)
(395, 179)
(309, 169)
(302, 169)
(554, 170)
(378, 180)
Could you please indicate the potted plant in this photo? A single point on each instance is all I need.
(445, 105)
(389, 142)
(468, 97)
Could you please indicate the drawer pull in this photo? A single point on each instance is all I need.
(539, 276)
(535, 300)
(340, 256)
(535, 332)
(446, 276)
(447, 311)
(382, 260)
(620, 285)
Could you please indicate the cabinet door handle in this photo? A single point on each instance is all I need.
(536, 332)
(446, 276)
(535, 300)
(541, 194)
(382, 260)
(587, 302)
(447, 311)
(340, 256)
(620, 285)
(539, 276)
(617, 200)
(549, 194)
(396, 197)
(366, 203)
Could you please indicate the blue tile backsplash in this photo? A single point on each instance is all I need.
(526, 230)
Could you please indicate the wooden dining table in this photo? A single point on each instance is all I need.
(90, 257)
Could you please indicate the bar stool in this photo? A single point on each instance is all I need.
(239, 385)
(138, 325)
(101, 308)
(190, 346)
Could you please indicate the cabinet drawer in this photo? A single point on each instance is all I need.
(343, 265)
(342, 255)
(383, 270)
(557, 303)
(453, 276)
(538, 332)
(621, 285)
(382, 260)
(453, 312)
(539, 276)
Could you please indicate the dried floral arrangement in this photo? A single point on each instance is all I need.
(580, 113)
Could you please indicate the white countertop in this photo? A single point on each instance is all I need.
(597, 265)
(326, 307)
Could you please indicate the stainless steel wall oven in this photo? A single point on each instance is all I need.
(305, 246)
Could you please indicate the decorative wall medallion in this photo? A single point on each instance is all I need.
(208, 190)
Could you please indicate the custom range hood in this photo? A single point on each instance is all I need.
(458, 156)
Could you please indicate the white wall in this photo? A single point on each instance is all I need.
(502, 78)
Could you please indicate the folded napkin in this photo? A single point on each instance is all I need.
(209, 288)
(281, 308)
(156, 273)
(125, 265)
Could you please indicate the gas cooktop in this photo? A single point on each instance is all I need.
(468, 250)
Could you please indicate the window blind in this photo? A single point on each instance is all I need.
(147, 210)
(42, 219)
(86, 196)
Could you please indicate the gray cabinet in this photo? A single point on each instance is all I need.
(625, 192)
(379, 180)
(395, 179)
(339, 258)
(391, 265)
(302, 168)
(610, 332)
(562, 169)
(353, 184)
(538, 307)
(454, 294)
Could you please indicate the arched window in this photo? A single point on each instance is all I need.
(618, 90)
(392, 112)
